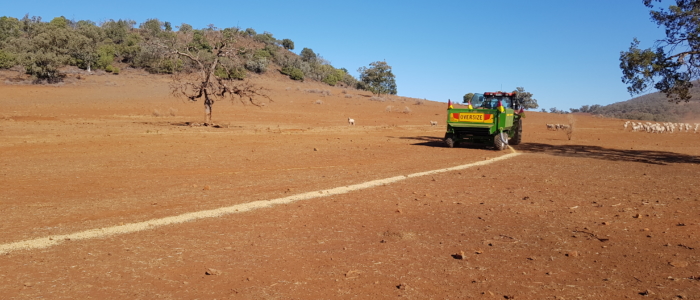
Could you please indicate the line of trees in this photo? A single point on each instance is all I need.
(43, 48)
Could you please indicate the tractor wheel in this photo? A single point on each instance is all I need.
(518, 136)
(499, 143)
(450, 142)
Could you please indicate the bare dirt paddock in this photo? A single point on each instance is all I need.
(608, 214)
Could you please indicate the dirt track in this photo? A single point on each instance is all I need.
(607, 215)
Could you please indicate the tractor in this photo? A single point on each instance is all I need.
(491, 118)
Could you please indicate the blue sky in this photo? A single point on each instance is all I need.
(565, 52)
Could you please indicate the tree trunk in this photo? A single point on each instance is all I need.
(207, 109)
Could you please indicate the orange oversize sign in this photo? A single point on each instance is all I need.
(471, 118)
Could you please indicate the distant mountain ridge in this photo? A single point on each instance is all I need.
(654, 107)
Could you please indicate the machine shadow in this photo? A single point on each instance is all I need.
(587, 151)
(583, 151)
(438, 142)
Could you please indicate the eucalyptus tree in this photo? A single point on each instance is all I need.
(673, 63)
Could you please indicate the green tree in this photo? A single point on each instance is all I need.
(152, 28)
(288, 44)
(468, 97)
(46, 48)
(84, 46)
(185, 28)
(378, 78)
(674, 63)
(525, 98)
(266, 38)
(7, 60)
(308, 55)
(117, 31)
(9, 28)
(250, 32)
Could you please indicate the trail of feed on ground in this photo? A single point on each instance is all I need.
(46, 242)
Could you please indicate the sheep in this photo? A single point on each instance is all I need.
(626, 123)
(351, 121)
(433, 123)
(697, 126)
(550, 127)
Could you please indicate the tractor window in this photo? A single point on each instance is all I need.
(477, 100)
(492, 102)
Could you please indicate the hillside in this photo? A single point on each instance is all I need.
(654, 107)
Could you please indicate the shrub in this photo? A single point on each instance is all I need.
(262, 53)
(266, 38)
(335, 76)
(112, 69)
(7, 60)
(237, 73)
(293, 73)
(257, 65)
(105, 56)
(44, 66)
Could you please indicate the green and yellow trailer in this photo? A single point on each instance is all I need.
(491, 118)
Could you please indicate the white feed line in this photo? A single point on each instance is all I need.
(46, 242)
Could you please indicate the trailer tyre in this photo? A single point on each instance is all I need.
(450, 142)
(499, 143)
(518, 136)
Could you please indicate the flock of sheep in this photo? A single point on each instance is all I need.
(557, 126)
(667, 127)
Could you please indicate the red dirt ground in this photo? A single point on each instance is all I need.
(608, 214)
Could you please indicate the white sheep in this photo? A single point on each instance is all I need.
(433, 123)
(351, 121)
(550, 127)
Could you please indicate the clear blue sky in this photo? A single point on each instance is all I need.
(565, 52)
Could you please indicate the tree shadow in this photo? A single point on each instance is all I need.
(587, 151)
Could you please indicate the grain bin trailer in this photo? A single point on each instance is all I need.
(491, 118)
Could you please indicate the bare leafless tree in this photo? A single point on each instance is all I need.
(211, 56)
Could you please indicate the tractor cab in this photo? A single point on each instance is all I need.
(490, 100)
